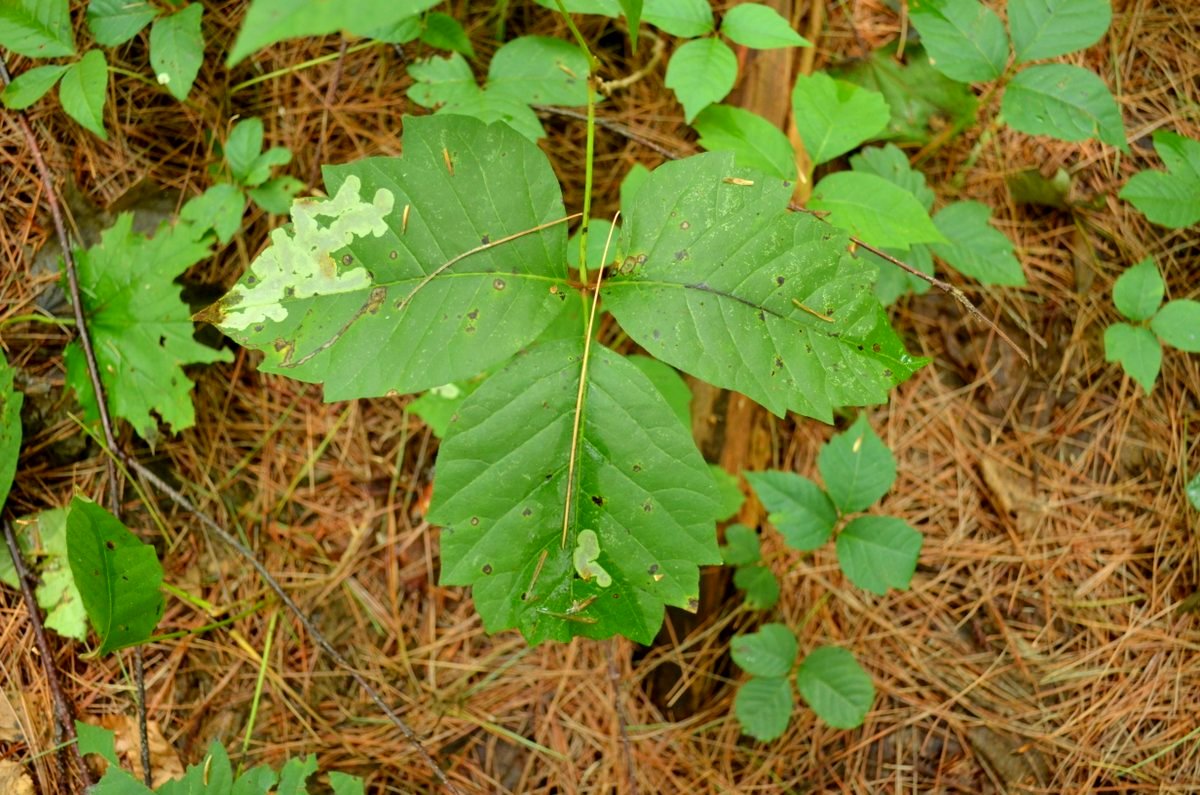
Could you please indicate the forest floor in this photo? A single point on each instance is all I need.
(1041, 648)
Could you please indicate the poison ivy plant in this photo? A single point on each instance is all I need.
(569, 461)
(141, 330)
(213, 775)
(833, 116)
(1138, 295)
(967, 42)
(117, 575)
(1170, 198)
(831, 681)
(755, 142)
(741, 549)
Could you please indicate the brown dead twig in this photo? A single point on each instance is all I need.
(62, 709)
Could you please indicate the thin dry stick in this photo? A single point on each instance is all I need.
(62, 709)
(130, 462)
(946, 287)
(614, 677)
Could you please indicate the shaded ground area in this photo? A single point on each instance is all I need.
(1042, 647)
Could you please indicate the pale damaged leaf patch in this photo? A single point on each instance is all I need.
(301, 265)
(587, 559)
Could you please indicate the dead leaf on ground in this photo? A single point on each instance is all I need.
(164, 761)
(14, 780)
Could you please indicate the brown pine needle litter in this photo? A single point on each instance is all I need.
(1041, 648)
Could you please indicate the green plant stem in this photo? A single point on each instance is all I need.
(258, 684)
(590, 154)
(49, 321)
(333, 56)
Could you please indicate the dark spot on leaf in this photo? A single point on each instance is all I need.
(653, 568)
(549, 475)
(762, 316)
(473, 314)
(487, 568)
(787, 184)
(876, 348)
(637, 467)
(778, 363)
(524, 596)
(887, 373)
(779, 280)
(454, 419)
(647, 506)
(829, 311)
(616, 596)
(693, 605)
(110, 545)
(258, 327)
(597, 499)
(483, 241)
(251, 280)
(860, 347)
(393, 254)
(656, 334)
(280, 345)
(289, 292)
(469, 329)
(545, 404)
(347, 260)
(808, 349)
(681, 255)
(527, 512)
(474, 521)
(125, 577)
(499, 284)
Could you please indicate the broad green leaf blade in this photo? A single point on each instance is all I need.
(741, 547)
(37, 28)
(964, 38)
(177, 49)
(836, 687)
(440, 81)
(722, 282)
(1065, 102)
(874, 210)
(684, 18)
(31, 85)
(43, 540)
(10, 431)
(446, 33)
(923, 101)
(764, 707)
(400, 281)
(801, 512)
(632, 9)
(1137, 350)
(118, 576)
(754, 141)
(631, 184)
(1048, 28)
(975, 247)
(219, 208)
(605, 8)
(84, 90)
(890, 163)
(439, 405)
(96, 740)
(114, 22)
(537, 70)
(701, 72)
(770, 652)
(294, 773)
(760, 585)
(243, 146)
(1178, 325)
(276, 195)
(264, 164)
(141, 330)
(761, 27)
(214, 773)
(729, 493)
(878, 552)
(401, 31)
(857, 467)
(833, 116)
(1193, 491)
(345, 784)
(643, 490)
(1138, 292)
(1173, 198)
(674, 389)
(271, 21)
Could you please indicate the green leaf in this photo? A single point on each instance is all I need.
(761, 27)
(141, 330)
(675, 391)
(598, 241)
(84, 90)
(439, 81)
(701, 72)
(975, 247)
(177, 49)
(715, 266)
(10, 430)
(632, 9)
(1065, 102)
(1172, 198)
(114, 22)
(214, 774)
(401, 248)
(1138, 292)
(874, 210)
(799, 509)
(642, 489)
(1048, 28)
(294, 773)
(400, 31)
(448, 84)
(586, 559)
(964, 38)
(631, 184)
(893, 282)
(890, 163)
(446, 33)
(684, 18)
(764, 707)
(1193, 491)
(265, 163)
(537, 70)
(857, 467)
(219, 208)
(1178, 325)
(770, 652)
(31, 85)
(276, 195)
(243, 146)
(606, 8)
(876, 552)
(271, 21)
(741, 546)
(833, 116)
(439, 405)
(118, 782)
(37, 28)
(117, 575)
(754, 141)
(836, 687)
(96, 740)
(729, 494)
(922, 101)
(760, 585)
(43, 540)
(1138, 351)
